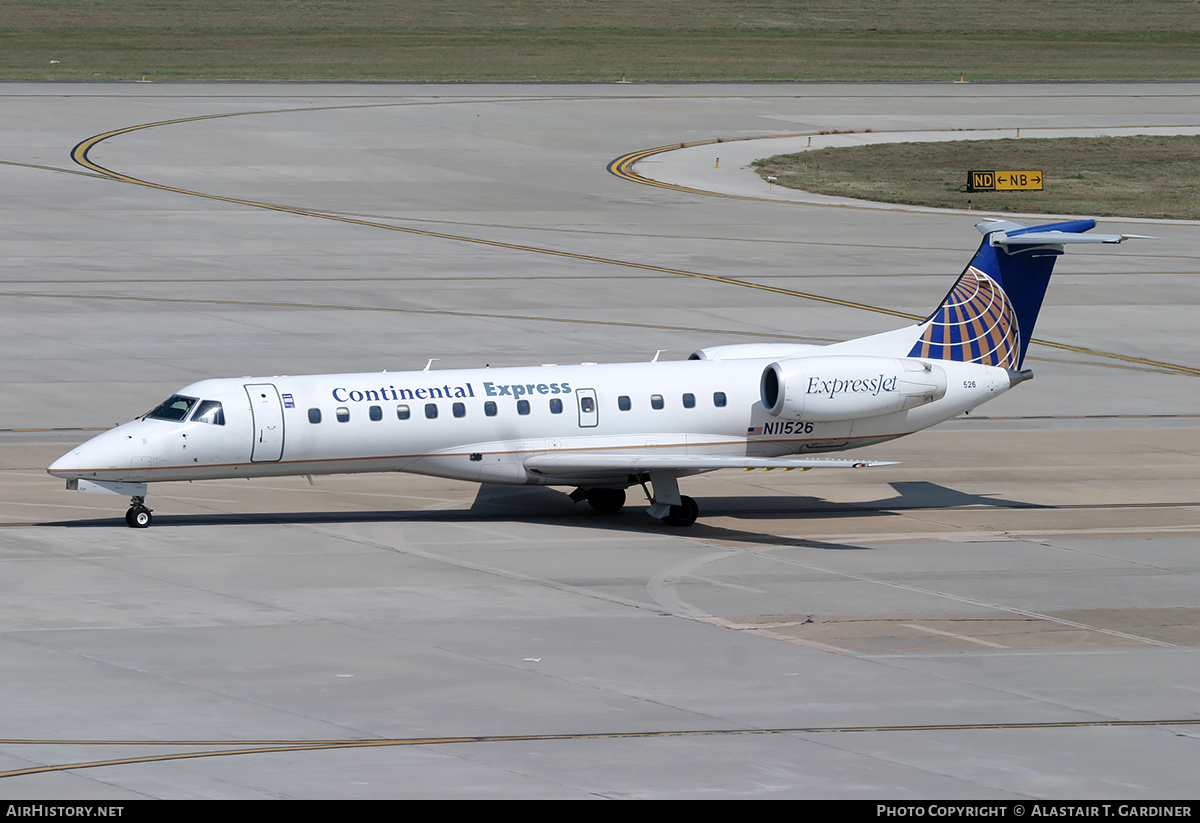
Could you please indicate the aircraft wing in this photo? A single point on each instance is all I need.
(609, 463)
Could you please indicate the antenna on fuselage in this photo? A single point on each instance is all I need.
(654, 359)
(430, 363)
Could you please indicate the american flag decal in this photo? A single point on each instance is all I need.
(753, 430)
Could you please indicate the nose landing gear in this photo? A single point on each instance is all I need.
(138, 516)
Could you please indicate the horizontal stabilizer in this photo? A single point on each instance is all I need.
(1011, 233)
(1042, 238)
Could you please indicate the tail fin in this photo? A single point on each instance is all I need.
(989, 314)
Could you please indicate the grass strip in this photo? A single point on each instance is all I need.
(585, 40)
(1151, 177)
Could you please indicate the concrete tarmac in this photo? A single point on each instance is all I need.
(1012, 612)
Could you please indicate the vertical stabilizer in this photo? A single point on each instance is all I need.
(989, 314)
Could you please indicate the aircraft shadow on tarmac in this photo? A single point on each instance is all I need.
(511, 504)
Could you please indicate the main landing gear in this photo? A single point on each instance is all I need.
(666, 503)
(684, 514)
(605, 501)
(138, 516)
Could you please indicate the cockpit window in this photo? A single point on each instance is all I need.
(209, 411)
(175, 407)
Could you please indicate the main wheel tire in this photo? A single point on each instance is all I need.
(683, 515)
(608, 501)
(138, 517)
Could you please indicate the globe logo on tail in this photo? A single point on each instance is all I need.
(975, 324)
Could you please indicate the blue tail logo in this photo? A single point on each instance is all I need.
(976, 323)
(989, 314)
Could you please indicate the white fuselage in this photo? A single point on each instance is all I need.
(484, 424)
(603, 428)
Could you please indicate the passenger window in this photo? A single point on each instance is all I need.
(656, 401)
(431, 410)
(403, 412)
(459, 409)
(314, 415)
(555, 405)
(587, 405)
(719, 399)
(375, 413)
(689, 401)
(175, 407)
(343, 414)
(489, 408)
(623, 403)
(522, 407)
(209, 411)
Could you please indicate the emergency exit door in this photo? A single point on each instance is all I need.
(589, 415)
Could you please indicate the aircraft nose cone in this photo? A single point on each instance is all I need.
(65, 465)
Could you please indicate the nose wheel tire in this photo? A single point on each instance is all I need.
(138, 517)
(684, 515)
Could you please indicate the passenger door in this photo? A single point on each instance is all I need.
(267, 410)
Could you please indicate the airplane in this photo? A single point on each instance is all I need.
(603, 428)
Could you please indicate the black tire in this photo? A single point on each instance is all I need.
(683, 515)
(608, 501)
(138, 517)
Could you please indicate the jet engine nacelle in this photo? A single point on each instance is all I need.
(832, 388)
